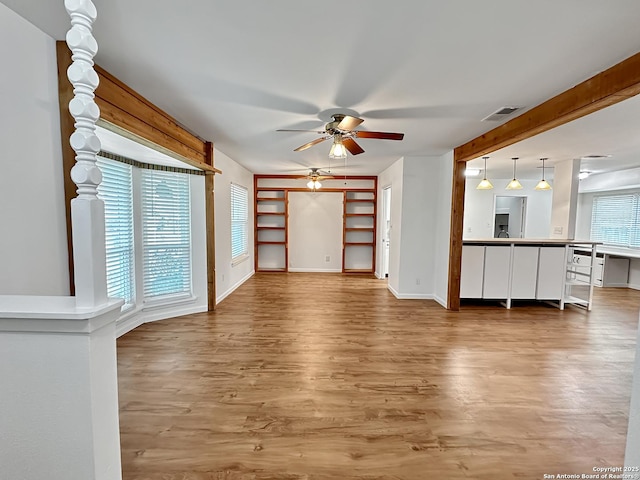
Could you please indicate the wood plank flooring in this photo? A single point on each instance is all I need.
(323, 376)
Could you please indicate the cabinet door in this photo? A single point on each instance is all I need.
(551, 273)
(472, 271)
(497, 264)
(525, 272)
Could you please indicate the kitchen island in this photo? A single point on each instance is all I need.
(509, 269)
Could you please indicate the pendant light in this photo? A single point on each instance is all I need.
(543, 184)
(515, 183)
(484, 183)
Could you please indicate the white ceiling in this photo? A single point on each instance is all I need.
(235, 71)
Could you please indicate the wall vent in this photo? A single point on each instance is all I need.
(500, 114)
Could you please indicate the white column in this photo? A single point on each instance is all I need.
(87, 211)
(58, 379)
(632, 455)
(565, 199)
(58, 390)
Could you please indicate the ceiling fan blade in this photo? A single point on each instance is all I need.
(380, 135)
(288, 130)
(351, 145)
(310, 144)
(348, 123)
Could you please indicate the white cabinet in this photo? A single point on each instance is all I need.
(524, 272)
(497, 268)
(615, 272)
(471, 277)
(551, 273)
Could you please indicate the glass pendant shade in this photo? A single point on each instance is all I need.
(543, 184)
(337, 149)
(484, 183)
(314, 184)
(515, 183)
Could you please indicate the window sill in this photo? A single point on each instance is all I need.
(239, 260)
(168, 301)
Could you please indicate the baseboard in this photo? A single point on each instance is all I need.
(133, 320)
(128, 324)
(315, 270)
(234, 287)
(633, 286)
(411, 296)
(440, 300)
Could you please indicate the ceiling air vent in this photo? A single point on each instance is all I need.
(500, 114)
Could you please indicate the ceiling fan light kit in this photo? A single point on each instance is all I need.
(314, 184)
(341, 130)
(484, 183)
(338, 149)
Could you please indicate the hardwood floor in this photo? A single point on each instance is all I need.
(323, 376)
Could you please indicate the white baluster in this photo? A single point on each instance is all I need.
(87, 211)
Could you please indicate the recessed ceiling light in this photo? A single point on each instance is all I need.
(594, 157)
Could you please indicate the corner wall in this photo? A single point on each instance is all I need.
(229, 277)
(33, 248)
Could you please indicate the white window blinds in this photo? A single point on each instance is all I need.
(165, 233)
(614, 220)
(116, 192)
(239, 214)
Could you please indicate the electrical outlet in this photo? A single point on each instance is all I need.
(417, 281)
(327, 258)
(557, 230)
(223, 277)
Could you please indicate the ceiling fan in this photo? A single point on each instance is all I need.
(315, 175)
(341, 129)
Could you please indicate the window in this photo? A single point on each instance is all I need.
(239, 214)
(116, 192)
(615, 219)
(166, 236)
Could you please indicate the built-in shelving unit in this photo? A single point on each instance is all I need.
(271, 226)
(271, 242)
(359, 231)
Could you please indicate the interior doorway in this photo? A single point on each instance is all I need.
(386, 230)
(509, 217)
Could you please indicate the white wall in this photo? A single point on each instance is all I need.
(565, 199)
(420, 217)
(229, 277)
(33, 248)
(444, 178)
(315, 232)
(392, 177)
(479, 208)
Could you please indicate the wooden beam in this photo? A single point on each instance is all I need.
(125, 108)
(609, 87)
(211, 230)
(455, 236)
(618, 83)
(65, 94)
